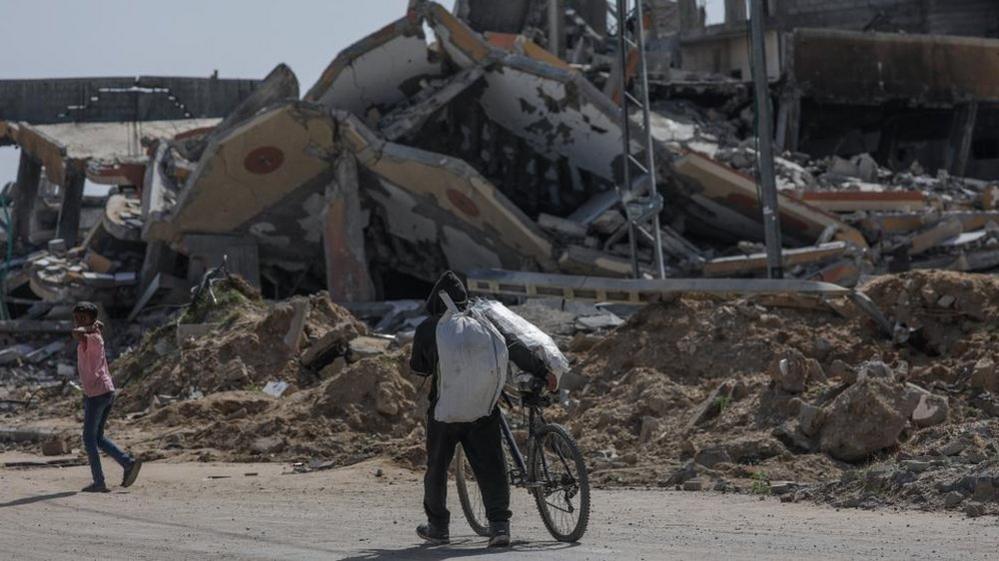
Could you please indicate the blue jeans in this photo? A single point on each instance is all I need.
(95, 415)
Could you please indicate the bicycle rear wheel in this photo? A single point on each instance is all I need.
(469, 494)
(561, 483)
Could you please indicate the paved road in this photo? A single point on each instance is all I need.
(217, 512)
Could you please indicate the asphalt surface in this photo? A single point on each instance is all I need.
(369, 512)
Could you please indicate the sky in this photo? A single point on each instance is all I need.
(239, 38)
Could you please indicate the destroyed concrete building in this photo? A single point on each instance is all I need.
(494, 142)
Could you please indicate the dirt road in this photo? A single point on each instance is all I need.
(369, 511)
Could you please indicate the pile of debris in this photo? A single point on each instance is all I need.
(737, 396)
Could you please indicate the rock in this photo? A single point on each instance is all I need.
(712, 406)
(974, 510)
(267, 444)
(782, 487)
(790, 371)
(953, 499)
(867, 417)
(651, 427)
(931, 410)
(682, 474)
(875, 369)
(793, 438)
(693, 485)
(985, 489)
(333, 368)
(234, 375)
(915, 466)
(822, 346)
(985, 377)
(842, 371)
(55, 446)
(752, 449)
(386, 402)
(710, 457)
(952, 448)
(810, 419)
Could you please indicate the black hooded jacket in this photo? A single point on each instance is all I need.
(423, 360)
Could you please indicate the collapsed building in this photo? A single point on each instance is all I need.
(494, 142)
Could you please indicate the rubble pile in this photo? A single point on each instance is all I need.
(803, 403)
(235, 342)
(368, 408)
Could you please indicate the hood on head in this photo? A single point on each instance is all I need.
(452, 285)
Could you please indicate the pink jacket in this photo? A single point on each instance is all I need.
(93, 366)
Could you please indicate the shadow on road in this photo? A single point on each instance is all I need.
(457, 550)
(37, 498)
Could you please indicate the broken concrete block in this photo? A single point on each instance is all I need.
(55, 446)
(713, 405)
(931, 410)
(293, 338)
(850, 437)
(562, 226)
(985, 376)
(334, 343)
(364, 346)
(36, 356)
(65, 370)
(710, 457)
(810, 419)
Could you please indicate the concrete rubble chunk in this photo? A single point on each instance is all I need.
(985, 375)
(931, 410)
(365, 346)
(867, 417)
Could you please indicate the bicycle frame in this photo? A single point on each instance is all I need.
(534, 415)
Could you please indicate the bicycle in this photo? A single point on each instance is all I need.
(553, 472)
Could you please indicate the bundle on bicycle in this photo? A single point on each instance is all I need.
(467, 347)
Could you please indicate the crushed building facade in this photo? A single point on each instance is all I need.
(494, 142)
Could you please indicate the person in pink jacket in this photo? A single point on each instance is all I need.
(99, 393)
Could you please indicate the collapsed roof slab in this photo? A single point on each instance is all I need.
(716, 186)
(106, 151)
(554, 108)
(439, 199)
(246, 174)
(379, 71)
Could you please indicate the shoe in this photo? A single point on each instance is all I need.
(131, 473)
(434, 536)
(96, 488)
(500, 534)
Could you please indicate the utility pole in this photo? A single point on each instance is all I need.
(765, 154)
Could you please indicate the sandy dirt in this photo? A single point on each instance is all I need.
(369, 511)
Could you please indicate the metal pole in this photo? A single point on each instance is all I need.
(625, 190)
(643, 77)
(765, 154)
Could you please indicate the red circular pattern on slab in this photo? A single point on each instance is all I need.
(263, 160)
(463, 203)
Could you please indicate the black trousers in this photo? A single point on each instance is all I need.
(480, 440)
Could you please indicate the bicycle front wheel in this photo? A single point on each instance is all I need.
(560, 483)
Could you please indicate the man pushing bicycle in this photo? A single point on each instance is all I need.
(466, 358)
